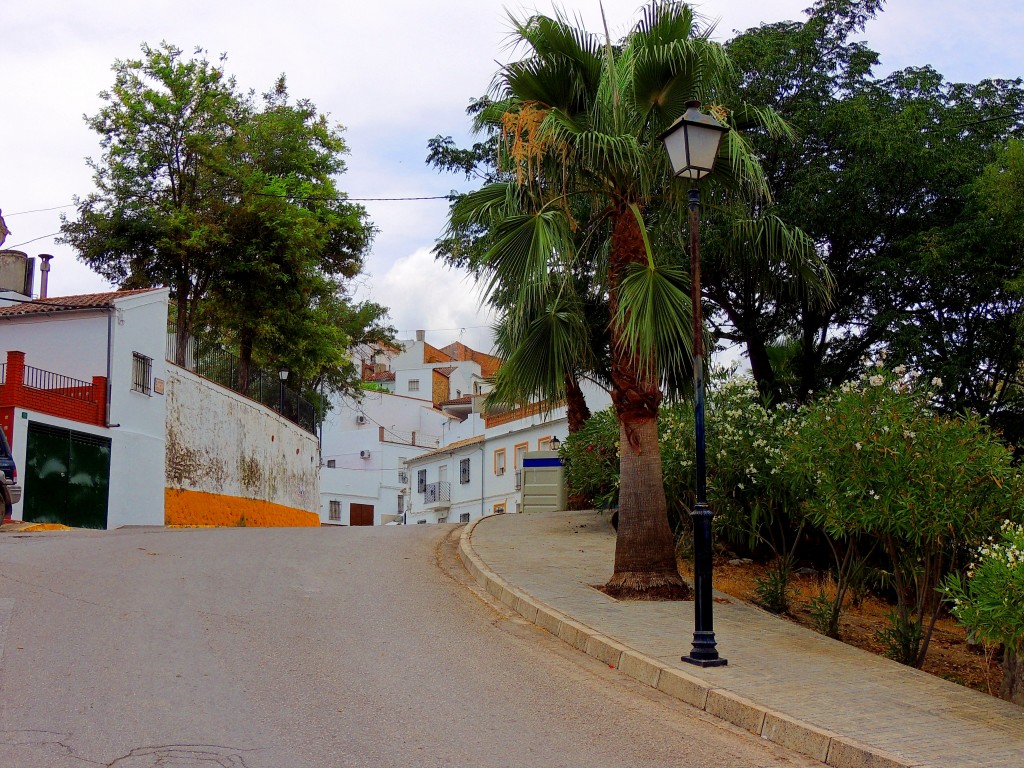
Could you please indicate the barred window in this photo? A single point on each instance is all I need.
(464, 471)
(335, 510)
(421, 481)
(142, 373)
(464, 517)
(332, 463)
(414, 385)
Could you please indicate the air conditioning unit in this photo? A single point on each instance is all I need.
(360, 418)
(364, 454)
(403, 477)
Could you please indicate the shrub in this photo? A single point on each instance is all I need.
(989, 601)
(591, 459)
(881, 467)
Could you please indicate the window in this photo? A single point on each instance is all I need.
(403, 477)
(442, 520)
(499, 461)
(520, 454)
(332, 463)
(544, 444)
(335, 511)
(421, 481)
(464, 517)
(464, 471)
(414, 385)
(142, 373)
(499, 509)
(401, 503)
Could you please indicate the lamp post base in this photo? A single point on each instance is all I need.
(703, 653)
(719, 662)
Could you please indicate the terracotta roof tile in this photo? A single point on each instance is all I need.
(380, 376)
(464, 400)
(446, 371)
(53, 304)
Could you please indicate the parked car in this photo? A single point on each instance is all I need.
(10, 491)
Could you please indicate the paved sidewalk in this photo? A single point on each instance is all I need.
(788, 684)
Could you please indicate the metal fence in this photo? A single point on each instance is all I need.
(37, 378)
(213, 362)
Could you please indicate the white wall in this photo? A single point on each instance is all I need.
(221, 442)
(72, 344)
(132, 499)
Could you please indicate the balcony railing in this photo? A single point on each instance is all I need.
(437, 492)
(58, 384)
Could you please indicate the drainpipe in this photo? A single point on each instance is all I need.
(111, 312)
(482, 474)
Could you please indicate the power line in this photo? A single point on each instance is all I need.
(41, 237)
(271, 194)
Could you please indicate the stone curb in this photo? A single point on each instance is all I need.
(831, 748)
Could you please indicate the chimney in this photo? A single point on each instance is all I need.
(421, 335)
(44, 273)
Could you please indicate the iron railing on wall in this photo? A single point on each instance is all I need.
(213, 362)
(37, 378)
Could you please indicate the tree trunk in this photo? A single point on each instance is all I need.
(645, 555)
(577, 411)
(1012, 688)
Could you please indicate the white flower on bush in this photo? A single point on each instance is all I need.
(936, 382)
(877, 380)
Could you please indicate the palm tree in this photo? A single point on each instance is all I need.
(579, 120)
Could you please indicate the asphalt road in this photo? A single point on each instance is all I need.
(257, 648)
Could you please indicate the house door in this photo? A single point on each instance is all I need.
(67, 477)
(360, 514)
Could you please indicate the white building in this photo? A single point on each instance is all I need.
(418, 398)
(482, 474)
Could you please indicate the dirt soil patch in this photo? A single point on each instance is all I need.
(949, 655)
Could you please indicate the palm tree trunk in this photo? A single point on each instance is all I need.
(577, 410)
(645, 555)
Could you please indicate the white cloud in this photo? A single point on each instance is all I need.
(425, 294)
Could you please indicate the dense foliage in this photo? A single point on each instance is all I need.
(232, 203)
(871, 476)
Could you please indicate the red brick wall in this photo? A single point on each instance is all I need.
(63, 403)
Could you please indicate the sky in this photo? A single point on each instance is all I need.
(395, 73)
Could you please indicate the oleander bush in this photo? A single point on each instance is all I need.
(988, 599)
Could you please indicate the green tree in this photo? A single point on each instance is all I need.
(291, 236)
(579, 119)
(881, 180)
(235, 207)
(157, 217)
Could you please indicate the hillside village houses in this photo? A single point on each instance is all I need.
(417, 448)
(107, 431)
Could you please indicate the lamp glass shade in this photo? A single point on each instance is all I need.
(283, 374)
(692, 143)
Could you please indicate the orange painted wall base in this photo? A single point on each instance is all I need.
(200, 509)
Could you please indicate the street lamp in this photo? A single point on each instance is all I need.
(692, 144)
(555, 443)
(282, 374)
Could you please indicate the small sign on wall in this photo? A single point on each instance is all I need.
(158, 386)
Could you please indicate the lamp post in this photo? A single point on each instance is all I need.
(692, 144)
(282, 374)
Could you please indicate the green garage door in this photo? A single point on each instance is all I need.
(67, 477)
